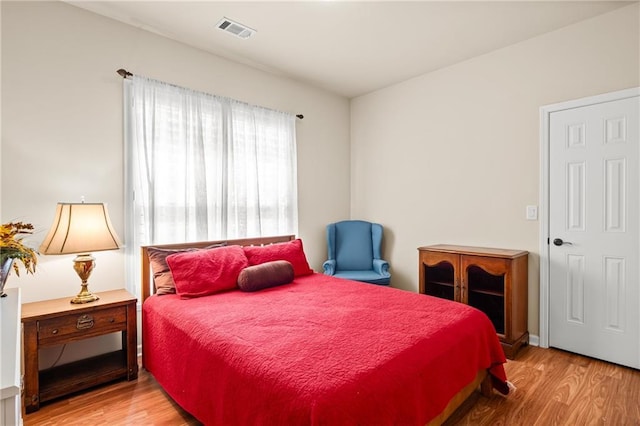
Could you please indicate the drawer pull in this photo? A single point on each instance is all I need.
(54, 331)
(111, 320)
(84, 322)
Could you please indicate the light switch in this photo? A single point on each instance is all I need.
(532, 212)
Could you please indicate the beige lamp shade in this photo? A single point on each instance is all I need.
(80, 228)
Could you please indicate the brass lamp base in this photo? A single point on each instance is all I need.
(83, 265)
(85, 296)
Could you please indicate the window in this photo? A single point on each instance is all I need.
(201, 167)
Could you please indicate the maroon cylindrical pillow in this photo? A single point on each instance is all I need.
(265, 275)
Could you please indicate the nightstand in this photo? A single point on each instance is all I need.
(56, 322)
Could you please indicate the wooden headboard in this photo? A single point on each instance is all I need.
(148, 288)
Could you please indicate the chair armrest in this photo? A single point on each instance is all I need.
(381, 267)
(329, 267)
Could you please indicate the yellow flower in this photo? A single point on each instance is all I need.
(12, 247)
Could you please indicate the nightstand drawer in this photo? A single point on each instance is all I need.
(70, 327)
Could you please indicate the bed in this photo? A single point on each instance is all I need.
(317, 350)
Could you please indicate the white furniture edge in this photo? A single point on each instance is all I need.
(10, 366)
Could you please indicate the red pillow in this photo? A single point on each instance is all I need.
(162, 278)
(290, 251)
(204, 272)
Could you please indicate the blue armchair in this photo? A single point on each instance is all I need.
(354, 252)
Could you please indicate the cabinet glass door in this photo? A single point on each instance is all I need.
(485, 291)
(440, 280)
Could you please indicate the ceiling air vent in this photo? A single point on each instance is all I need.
(235, 28)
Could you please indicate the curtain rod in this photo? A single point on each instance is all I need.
(124, 74)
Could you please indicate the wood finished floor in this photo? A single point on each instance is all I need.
(553, 388)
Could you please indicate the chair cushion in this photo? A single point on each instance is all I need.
(354, 246)
(370, 277)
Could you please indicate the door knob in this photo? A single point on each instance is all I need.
(559, 242)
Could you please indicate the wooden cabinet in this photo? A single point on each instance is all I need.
(492, 280)
(57, 322)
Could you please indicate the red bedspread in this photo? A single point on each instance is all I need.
(320, 350)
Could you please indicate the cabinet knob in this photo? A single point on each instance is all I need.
(111, 320)
(54, 331)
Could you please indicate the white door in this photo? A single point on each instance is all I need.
(594, 188)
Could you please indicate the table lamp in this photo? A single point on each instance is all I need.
(81, 228)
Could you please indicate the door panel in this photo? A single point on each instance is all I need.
(594, 187)
(575, 288)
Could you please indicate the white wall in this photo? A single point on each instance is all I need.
(448, 157)
(453, 156)
(62, 133)
(62, 127)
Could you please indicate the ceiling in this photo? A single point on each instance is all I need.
(348, 47)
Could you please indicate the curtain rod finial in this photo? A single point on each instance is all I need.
(300, 116)
(124, 73)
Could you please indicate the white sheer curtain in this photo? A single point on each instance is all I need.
(202, 167)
